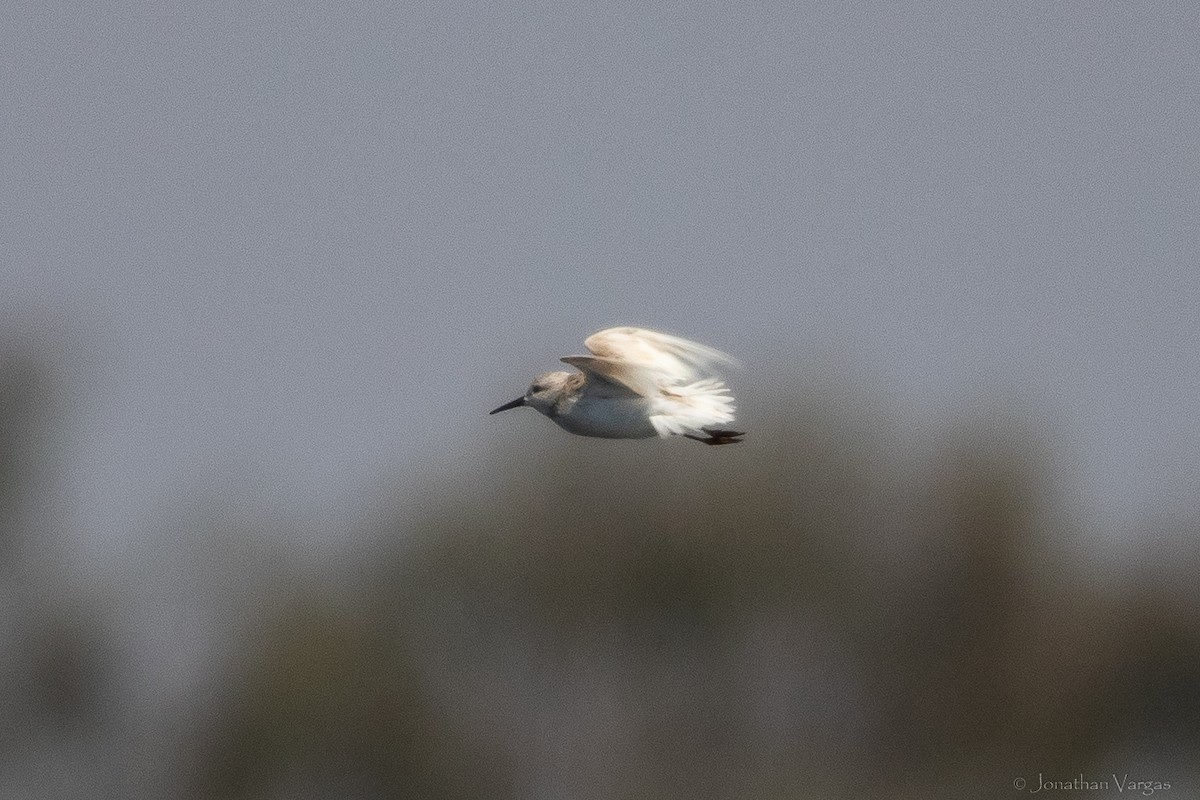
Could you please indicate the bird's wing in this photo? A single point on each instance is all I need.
(646, 361)
(604, 378)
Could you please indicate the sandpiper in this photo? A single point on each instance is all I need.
(636, 384)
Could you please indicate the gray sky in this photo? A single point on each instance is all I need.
(296, 250)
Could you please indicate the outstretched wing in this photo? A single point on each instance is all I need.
(647, 361)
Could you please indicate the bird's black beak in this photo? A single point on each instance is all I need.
(520, 401)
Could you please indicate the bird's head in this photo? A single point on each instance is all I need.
(542, 394)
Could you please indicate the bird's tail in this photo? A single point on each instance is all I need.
(689, 409)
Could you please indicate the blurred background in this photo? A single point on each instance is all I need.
(265, 267)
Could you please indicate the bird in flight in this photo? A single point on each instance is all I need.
(637, 384)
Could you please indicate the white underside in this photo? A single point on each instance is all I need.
(675, 411)
(609, 418)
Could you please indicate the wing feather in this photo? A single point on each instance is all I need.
(604, 377)
(642, 346)
(647, 360)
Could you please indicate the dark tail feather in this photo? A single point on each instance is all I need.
(717, 436)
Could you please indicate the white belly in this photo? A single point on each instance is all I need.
(608, 418)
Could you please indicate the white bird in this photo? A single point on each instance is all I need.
(637, 384)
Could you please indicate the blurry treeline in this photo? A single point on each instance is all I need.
(819, 612)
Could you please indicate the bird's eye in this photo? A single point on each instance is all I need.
(537, 387)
